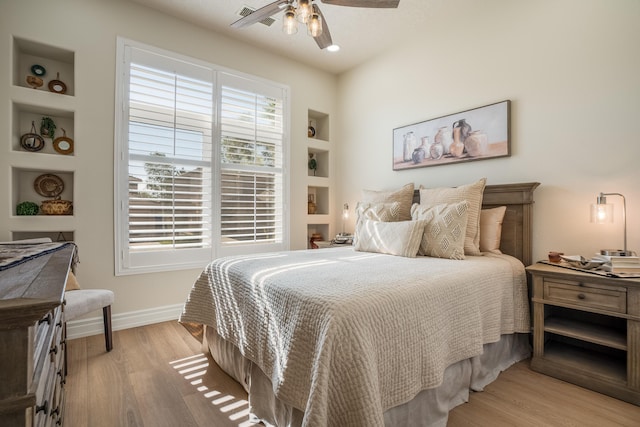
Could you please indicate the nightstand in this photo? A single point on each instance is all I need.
(586, 330)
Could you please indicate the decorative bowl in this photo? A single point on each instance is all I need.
(579, 261)
(57, 207)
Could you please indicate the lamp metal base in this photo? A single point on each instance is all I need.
(616, 252)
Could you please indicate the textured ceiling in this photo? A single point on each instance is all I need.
(361, 33)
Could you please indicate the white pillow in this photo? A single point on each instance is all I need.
(472, 193)
(491, 229)
(387, 212)
(445, 231)
(404, 196)
(394, 238)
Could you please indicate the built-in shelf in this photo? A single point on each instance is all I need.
(24, 115)
(319, 181)
(55, 99)
(58, 64)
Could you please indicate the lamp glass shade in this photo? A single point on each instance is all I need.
(314, 25)
(289, 23)
(602, 213)
(304, 10)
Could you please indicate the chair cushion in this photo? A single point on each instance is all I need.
(83, 301)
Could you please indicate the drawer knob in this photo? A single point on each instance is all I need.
(42, 407)
(581, 296)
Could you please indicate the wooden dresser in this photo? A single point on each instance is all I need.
(586, 330)
(32, 356)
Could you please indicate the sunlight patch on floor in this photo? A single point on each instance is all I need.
(192, 369)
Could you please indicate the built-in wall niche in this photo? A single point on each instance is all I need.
(30, 58)
(55, 236)
(23, 188)
(321, 158)
(320, 124)
(24, 115)
(319, 196)
(322, 229)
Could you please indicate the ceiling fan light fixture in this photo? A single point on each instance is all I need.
(314, 25)
(289, 23)
(333, 48)
(304, 10)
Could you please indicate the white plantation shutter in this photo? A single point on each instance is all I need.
(251, 163)
(199, 162)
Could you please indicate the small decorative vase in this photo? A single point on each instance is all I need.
(476, 143)
(311, 131)
(436, 150)
(465, 129)
(420, 153)
(311, 206)
(443, 136)
(408, 146)
(457, 147)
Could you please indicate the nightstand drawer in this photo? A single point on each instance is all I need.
(586, 295)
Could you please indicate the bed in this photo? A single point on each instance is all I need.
(338, 337)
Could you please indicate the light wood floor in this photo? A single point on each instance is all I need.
(158, 376)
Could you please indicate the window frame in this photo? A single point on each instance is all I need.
(127, 262)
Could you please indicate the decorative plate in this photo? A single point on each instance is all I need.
(63, 144)
(57, 86)
(38, 70)
(48, 185)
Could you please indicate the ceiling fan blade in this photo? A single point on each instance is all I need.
(364, 3)
(260, 14)
(324, 39)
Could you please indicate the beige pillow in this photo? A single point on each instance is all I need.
(472, 193)
(445, 231)
(72, 282)
(491, 229)
(394, 238)
(404, 196)
(387, 212)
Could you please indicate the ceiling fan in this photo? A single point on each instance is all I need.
(307, 12)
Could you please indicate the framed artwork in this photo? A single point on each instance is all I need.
(477, 134)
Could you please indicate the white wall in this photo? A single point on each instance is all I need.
(570, 68)
(89, 28)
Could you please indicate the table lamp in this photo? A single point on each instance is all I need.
(601, 212)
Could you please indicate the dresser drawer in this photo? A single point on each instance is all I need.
(609, 298)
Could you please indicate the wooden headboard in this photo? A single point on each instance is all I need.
(516, 227)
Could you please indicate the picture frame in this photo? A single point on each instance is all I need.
(476, 134)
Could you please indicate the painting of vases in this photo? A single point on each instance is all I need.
(477, 134)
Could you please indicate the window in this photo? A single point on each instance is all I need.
(199, 162)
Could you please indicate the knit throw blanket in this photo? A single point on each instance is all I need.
(12, 254)
(345, 335)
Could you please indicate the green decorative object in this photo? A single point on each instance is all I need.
(27, 208)
(47, 127)
(313, 164)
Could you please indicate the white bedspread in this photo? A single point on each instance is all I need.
(345, 335)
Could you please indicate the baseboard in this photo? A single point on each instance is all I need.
(94, 325)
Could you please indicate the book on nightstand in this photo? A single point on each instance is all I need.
(623, 264)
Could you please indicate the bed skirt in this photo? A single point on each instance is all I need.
(428, 408)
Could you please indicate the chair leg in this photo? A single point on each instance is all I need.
(108, 336)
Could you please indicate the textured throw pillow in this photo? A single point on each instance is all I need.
(72, 282)
(394, 238)
(404, 196)
(472, 193)
(445, 230)
(387, 212)
(491, 229)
